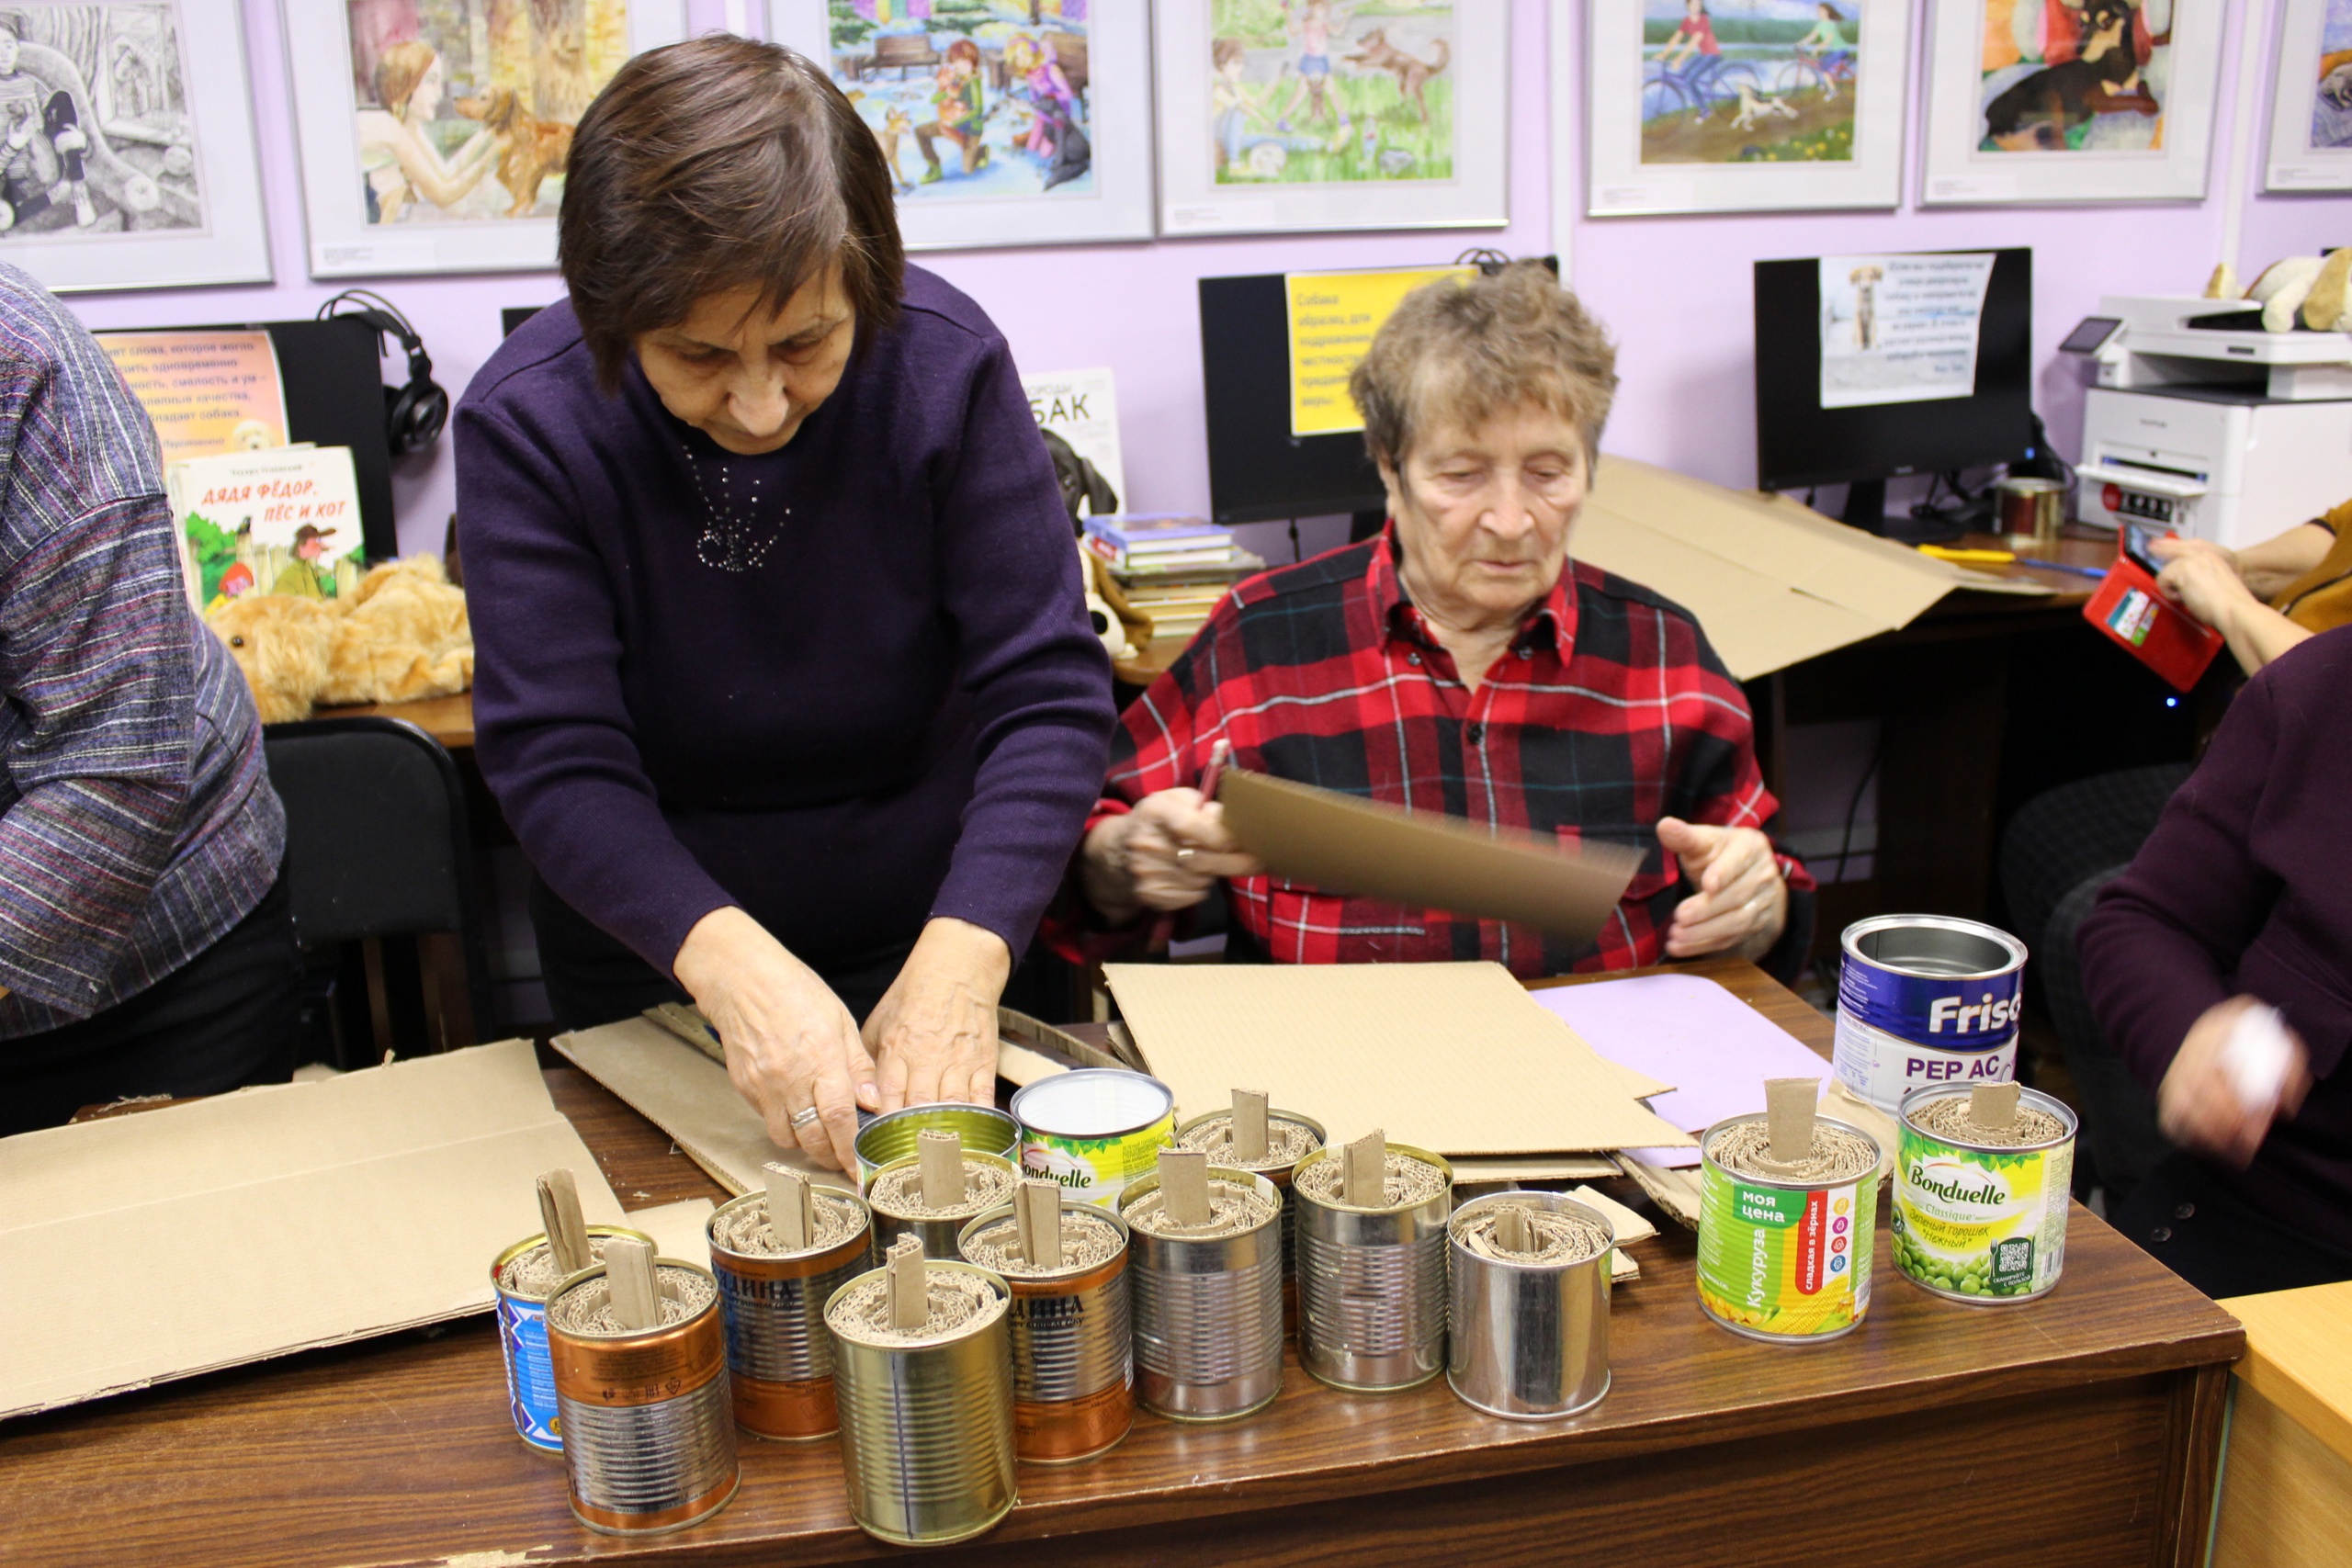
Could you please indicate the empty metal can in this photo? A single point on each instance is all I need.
(1529, 1337)
(779, 1357)
(1213, 1131)
(926, 1427)
(1372, 1282)
(984, 1129)
(1073, 1345)
(1093, 1131)
(937, 1233)
(1208, 1310)
(648, 1427)
(522, 1340)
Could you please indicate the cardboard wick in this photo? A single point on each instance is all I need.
(1511, 1229)
(628, 1279)
(941, 1157)
(1788, 1112)
(1249, 1125)
(1185, 1186)
(1038, 1215)
(1994, 1106)
(791, 1208)
(1366, 1172)
(560, 1217)
(908, 1284)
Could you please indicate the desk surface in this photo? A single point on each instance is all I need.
(401, 1452)
(449, 720)
(2297, 1356)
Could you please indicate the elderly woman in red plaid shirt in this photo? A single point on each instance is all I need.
(1461, 662)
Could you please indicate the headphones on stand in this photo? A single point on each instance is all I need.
(413, 413)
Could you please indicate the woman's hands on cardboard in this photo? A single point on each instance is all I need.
(1165, 854)
(933, 1034)
(1740, 902)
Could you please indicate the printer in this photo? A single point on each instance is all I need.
(2203, 423)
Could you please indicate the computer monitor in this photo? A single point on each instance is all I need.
(1259, 472)
(1863, 444)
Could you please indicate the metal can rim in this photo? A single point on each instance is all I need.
(1274, 1172)
(1030, 1092)
(909, 1112)
(1328, 1152)
(1919, 1098)
(964, 1331)
(1142, 1185)
(604, 1341)
(1064, 1280)
(816, 1255)
(497, 1265)
(1849, 944)
(1557, 1204)
(1788, 1184)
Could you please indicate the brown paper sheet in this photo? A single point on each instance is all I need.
(1425, 860)
(1478, 1170)
(1453, 1057)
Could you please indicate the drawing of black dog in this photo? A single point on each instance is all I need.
(2036, 112)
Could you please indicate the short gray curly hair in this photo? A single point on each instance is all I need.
(1456, 353)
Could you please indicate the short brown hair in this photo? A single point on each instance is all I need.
(398, 72)
(713, 165)
(1456, 353)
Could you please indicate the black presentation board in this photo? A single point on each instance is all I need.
(1258, 471)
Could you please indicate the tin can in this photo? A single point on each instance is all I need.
(2033, 510)
(1208, 1312)
(1280, 1175)
(927, 1428)
(1927, 999)
(1785, 1263)
(984, 1129)
(1528, 1339)
(1981, 1223)
(1073, 1351)
(938, 1235)
(1093, 1131)
(779, 1357)
(1372, 1282)
(523, 1344)
(647, 1423)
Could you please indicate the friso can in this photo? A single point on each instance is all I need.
(1926, 999)
(523, 1342)
(1977, 1222)
(1093, 1131)
(1785, 1261)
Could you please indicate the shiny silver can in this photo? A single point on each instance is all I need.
(1372, 1282)
(1529, 1339)
(779, 1357)
(937, 1235)
(1073, 1351)
(1208, 1312)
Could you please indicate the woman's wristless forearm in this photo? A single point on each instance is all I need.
(1103, 876)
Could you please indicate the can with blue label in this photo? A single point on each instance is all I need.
(525, 1276)
(1924, 1000)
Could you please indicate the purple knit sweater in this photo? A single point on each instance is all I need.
(877, 700)
(2247, 886)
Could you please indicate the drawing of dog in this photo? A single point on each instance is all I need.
(1865, 280)
(1755, 108)
(894, 128)
(2336, 78)
(2036, 112)
(530, 148)
(1374, 52)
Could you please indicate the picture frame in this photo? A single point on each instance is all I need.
(2310, 146)
(403, 188)
(1747, 106)
(2056, 107)
(1316, 118)
(139, 170)
(1063, 153)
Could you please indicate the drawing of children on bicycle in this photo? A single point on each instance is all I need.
(1749, 81)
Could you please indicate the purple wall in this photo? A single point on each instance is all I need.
(1674, 289)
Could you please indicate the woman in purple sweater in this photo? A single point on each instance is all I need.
(785, 679)
(2243, 899)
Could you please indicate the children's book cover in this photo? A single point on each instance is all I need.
(272, 522)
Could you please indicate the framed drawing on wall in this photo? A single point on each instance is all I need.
(1279, 118)
(1746, 105)
(126, 146)
(2069, 100)
(1004, 122)
(430, 129)
(2311, 104)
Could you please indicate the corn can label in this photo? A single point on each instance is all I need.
(530, 1372)
(1980, 1225)
(1092, 1170)
(1785, 1263)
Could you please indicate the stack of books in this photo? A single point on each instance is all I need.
(1174, 569)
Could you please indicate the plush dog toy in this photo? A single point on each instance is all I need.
(403, 635)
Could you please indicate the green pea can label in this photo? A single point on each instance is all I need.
(1977, 1224)
(1785, 1263)
(1094, 1130)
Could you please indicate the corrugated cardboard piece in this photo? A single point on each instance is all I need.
(1454, 1057)
(1425, 860)
(147, 1247)
(1771, 582)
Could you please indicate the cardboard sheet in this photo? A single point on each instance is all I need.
(678, 1229)
(1453, 1057)
(1425, 860)
(141, 1248)
(1480, 1170)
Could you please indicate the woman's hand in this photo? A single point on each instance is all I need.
(2199, 1106)
(933, 1033)
(790, 1044)
(2204, 578)
(1742, 903)
(1165, 854)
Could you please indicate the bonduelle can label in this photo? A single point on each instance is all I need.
(1094, 1130)
(1980, 1225)
(1925, 1000)
(1786, 1263)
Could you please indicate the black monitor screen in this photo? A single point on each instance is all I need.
(1258, 470)
(1799, 442)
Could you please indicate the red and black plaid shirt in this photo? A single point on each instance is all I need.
(1610, 712)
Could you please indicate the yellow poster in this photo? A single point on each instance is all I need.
(207, 392)
(1332, 318)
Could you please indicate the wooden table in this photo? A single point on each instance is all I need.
(2286, 1496)
(449, 720)
(2080, 1430)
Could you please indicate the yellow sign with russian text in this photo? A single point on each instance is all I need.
(1333, 316)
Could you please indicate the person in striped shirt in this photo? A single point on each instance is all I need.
(1461, 662)
(146, 945)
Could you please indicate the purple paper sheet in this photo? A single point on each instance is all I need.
(1680, 1028)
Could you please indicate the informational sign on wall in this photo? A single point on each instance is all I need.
(1333, 316)
(1900, 328)
(206, 392)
